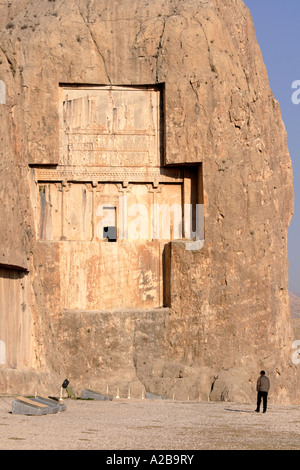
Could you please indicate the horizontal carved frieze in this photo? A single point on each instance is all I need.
(104, 174)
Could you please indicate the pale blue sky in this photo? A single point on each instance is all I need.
(278, 33)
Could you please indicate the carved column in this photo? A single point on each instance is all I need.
(124, 189)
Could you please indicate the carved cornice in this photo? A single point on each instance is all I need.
(109, 174)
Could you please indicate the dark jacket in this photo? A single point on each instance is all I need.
(263, 384)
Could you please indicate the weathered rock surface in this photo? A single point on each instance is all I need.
(228, 306)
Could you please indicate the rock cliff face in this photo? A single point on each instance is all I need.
(226, 315)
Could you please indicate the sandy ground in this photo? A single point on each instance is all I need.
(129, 424)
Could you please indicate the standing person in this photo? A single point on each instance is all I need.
(262, 387)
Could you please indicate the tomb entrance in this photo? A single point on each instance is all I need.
(15, 318)
(110, 205)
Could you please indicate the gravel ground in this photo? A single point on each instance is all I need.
(151, 425)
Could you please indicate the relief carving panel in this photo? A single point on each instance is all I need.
(110, 126)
